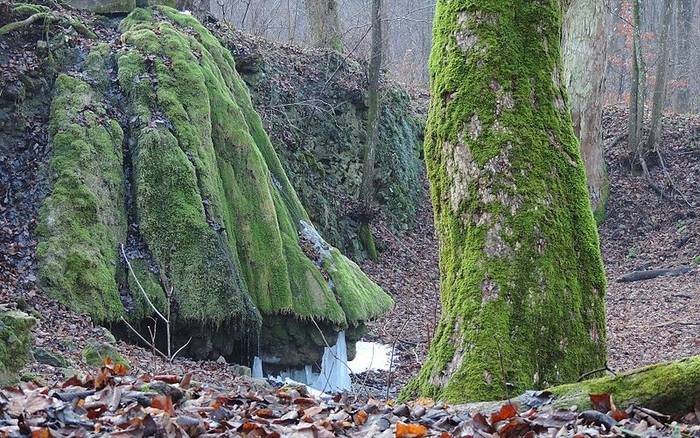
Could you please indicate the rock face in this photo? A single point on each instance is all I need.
(156, 149)
(313, 105)
(15, 344)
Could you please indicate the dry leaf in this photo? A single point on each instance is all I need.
(410, 430)
(507, 411)
(360, 417)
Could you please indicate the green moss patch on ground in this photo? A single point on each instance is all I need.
(15, 344)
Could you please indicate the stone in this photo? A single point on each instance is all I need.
(47, 358)
(221, 360)
(95, 353)
(15, 344)
(240, 370)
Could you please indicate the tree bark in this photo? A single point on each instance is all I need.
(670, 388)
(681, 98)
(660, 83)
(367, 185)
(584, 53)
(635, 127)
(522, 282)
(324, 24)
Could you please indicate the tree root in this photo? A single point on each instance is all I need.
(648, 275)
(66, 21)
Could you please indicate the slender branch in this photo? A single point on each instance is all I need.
(160, 353)
(138, 283)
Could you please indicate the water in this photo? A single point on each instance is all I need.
(335, 374)
(257, 371)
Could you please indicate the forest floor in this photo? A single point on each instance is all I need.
(648, 321)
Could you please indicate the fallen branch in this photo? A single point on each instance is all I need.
(72, 22)
(648, 275)
(671, 388)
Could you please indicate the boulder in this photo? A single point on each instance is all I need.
(15, 344)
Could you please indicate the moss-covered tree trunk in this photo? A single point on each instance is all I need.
(584, 55)
(522, 283)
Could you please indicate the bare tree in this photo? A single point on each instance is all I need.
(324, 23)
(637, 93)
(584, 56)
(660, 82)
(367, 186)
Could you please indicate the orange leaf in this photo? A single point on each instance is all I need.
(164, 403)
(410, 430)
(601, 402)
(360, 417)
(41, 433)
(107, 361)
(120, 369)
(619, 415)
(186, 380)
(102, 378)
(508, 410)
(167, 378)
(445, 435)
(264, 413)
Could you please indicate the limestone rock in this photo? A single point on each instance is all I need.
(95, 353)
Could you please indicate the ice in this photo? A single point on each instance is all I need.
(257, 368)
(335, 374)
(370, 356)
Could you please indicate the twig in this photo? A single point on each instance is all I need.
(138, 283)
(391, 358)
(590, 373)
(160, 353)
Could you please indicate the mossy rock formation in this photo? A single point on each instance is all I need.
(15, 344)
(188, 181)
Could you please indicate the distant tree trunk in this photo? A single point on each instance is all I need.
(367, 185)
(522, 282)
(635, 127)
(584, 53)
(684, 17)
(324, 24)
(659, 98)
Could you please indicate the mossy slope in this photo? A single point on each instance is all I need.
(523, 287)
(209, 198)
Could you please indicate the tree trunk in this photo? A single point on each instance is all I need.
(684, 17)
(324, 24)
(367, 185)
(660, 83)
(635, 127)
(522, 282)
(584, 54)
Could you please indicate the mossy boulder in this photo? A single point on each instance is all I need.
(313, 105)
(15, 344)
(46, 357)
(116, 6)
(95, 353)
(157, 150)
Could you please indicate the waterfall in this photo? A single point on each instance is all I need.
(257, 371)
(335, 374)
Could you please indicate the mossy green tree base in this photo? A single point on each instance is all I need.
(523, 286)
(218, 222)
(15, 344)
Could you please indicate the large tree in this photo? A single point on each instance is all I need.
(324, 23)
(522, 282)
(584, 53)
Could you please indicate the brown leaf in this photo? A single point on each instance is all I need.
(167, 378)
(507, 411)
(601, 402)
(479, 422)
(164, 403)
(360, 417)
(186, 380)
(41, 433)
(410, 430)
(120, 370)
(264, 413)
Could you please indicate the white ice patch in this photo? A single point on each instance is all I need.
(370, 356)
(257, 371)
(335, 374)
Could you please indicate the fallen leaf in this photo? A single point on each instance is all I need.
(360, 417)
(410, 430)
(601, 402)
(507, 411)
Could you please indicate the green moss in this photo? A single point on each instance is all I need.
(29, 9)
(368, 242)
(83, 218)
(15, 344)
(235, 216)
(667, 387)
(94, 354)
(522, 280)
